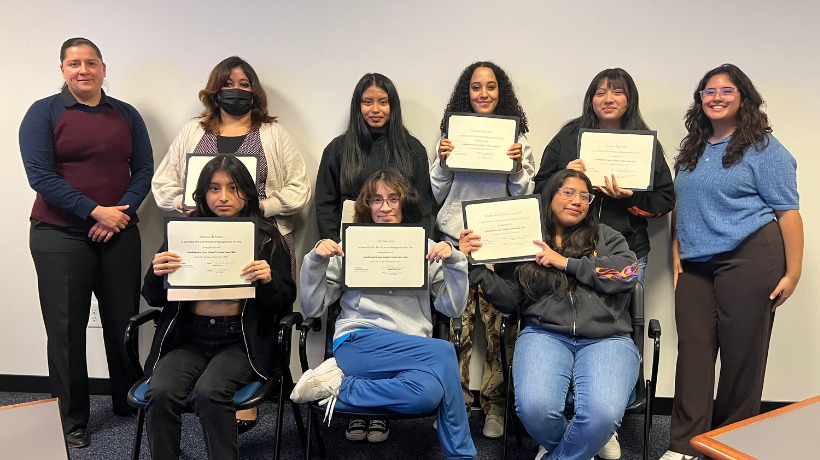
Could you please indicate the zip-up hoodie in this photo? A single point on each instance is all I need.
(597, 307)
(405, 311)
(260, 315)
(626, 215)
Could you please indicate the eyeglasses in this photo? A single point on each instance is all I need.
(569, 194)
(726, 93)
(377, 202)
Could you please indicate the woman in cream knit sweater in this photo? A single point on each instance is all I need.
(236, 121)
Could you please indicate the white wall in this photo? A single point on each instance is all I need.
(309, 55)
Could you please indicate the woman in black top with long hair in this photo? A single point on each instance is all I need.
(212, 348)
(375, 139)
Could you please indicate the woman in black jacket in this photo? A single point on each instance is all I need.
(611, 102)
(211, 349)
(573, 300)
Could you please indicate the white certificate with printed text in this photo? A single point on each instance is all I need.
(213, 251)
(381, 257)
(629, 155)
(507, 227)
(480, 142)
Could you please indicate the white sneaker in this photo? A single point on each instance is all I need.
(321, 383)
(611, 450)
(541, 453)
(671, 455)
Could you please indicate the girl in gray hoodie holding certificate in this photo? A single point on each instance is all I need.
(384, 355)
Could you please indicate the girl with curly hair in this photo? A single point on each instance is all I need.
(483, 88)
(737, 253)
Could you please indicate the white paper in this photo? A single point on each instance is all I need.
(194, 168)
(348, 212)
(507, 229)
(213, 253)
(627, 156)
(480, 142)
(385, 256)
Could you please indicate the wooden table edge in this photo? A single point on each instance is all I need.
(706, 444)
(30, 403)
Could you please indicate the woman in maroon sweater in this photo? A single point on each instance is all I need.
(88, 157)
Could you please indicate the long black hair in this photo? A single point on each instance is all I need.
(507, 101)
(577, 241)
(752, 124)
(616, 78)
(358, 141)
(411, 208)
(246, 187)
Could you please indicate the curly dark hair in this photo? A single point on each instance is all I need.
(211, 115)
(507, 102)
(752, 124)
(392, 179)
(577, 241)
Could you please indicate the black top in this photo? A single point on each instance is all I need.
(329, 196)
(626, 215)
(260, 318)
(226, 144)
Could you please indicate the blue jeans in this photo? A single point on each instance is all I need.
(410, 375)
(602, 371)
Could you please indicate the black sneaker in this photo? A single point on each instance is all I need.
(356, 430)
(378, 430)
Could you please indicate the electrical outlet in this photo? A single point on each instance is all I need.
(94, 317)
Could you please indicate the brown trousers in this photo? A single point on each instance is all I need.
(723, 305)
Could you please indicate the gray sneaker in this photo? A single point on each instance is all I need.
(493, 426)
(320, 383)
(611, 450)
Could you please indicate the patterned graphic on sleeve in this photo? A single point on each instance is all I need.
(627, 274)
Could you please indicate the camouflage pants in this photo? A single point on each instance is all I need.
(492, 381)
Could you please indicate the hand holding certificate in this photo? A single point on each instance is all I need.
(481, 142)
(627, 155)
(209, 258)
(380, 257)
(507, 228)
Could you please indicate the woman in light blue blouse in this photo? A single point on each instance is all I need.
(737, 253)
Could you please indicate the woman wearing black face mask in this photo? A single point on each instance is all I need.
(236, 121)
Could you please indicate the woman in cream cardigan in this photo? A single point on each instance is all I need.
(236, 121)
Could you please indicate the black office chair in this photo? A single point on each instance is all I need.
(643, 396)
(251, 395)
(441, 329)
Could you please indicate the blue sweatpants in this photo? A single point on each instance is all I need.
(408, 375)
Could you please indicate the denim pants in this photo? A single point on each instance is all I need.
(213, 365)
(602, 372)
(642, 269)
(409, 375)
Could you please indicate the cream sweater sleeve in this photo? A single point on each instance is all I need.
(294, 192)
(169, 178)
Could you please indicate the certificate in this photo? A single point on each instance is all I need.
(629, 155)
(507, 227)
(195, 162)
(480, 142)
(214, 250)
(380, 257)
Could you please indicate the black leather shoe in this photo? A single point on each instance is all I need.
(78, 438)
(243, 426)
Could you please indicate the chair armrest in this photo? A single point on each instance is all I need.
(285, 325)
(654, 329)
(506, 321)
(458, 327)
(308, 324)
(151, 314)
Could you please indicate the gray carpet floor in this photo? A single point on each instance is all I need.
(112, 437)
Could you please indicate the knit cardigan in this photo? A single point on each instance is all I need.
(287, 186)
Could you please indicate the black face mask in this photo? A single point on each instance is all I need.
(236, 102)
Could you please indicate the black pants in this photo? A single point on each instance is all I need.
(69, 268)
(723, 304)
(212, 365)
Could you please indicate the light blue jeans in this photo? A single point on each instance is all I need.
(642, 269)
(602, 371)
